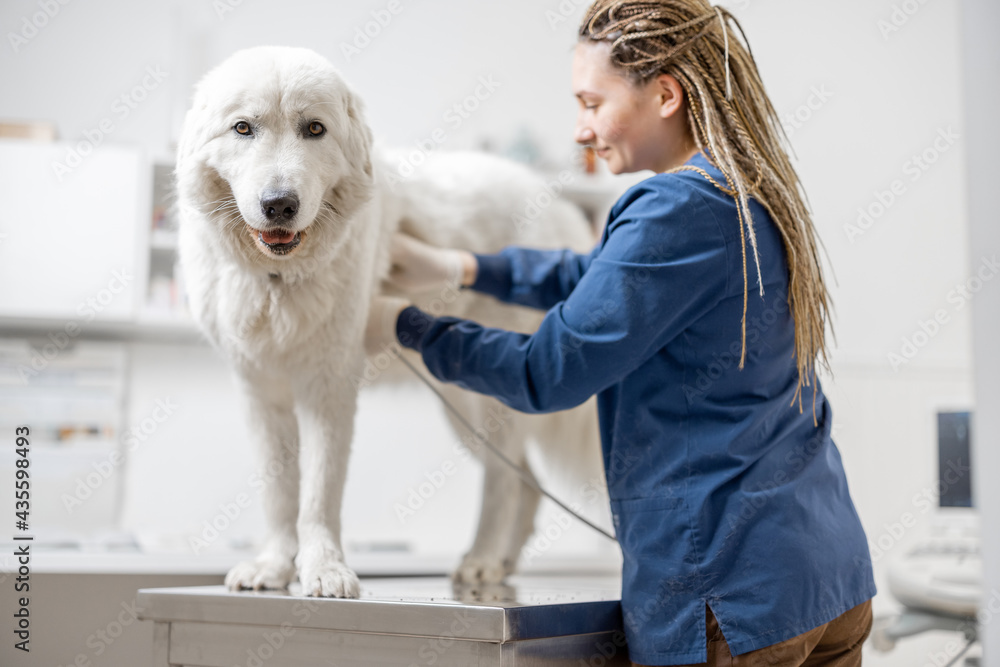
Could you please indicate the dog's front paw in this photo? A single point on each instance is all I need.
(265, 572)
(478, 570)
(334, 580)
(323, 575)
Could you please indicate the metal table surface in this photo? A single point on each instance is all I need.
(531, 620)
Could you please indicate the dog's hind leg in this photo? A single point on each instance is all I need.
(524, 526)
(274, 429)
(326, 404)
(502, 513)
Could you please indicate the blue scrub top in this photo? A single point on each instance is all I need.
(722, 492)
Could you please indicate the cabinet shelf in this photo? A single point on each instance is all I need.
(163, 240)
(147, 328)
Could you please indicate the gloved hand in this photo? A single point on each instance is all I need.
(381, 328)
(419, 266)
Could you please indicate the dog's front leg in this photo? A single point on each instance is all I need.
(326, 403)
(274, 430)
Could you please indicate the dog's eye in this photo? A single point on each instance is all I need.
(316, 129)
(243, 128)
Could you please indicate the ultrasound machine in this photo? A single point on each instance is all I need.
(940, 580)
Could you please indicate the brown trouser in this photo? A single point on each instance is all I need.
(834, 644)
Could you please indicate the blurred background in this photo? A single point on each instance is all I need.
(139, 455)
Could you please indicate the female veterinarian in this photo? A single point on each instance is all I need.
(698, 321)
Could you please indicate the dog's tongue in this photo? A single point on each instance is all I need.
(277, 236)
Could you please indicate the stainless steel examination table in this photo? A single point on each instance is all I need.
(532, 620)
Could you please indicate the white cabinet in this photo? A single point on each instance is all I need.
(73, 231)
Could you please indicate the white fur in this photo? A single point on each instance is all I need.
(296, 340)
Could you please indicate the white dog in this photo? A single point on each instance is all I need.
(286, 213)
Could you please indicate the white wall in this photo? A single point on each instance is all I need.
(981, 55)
(888, 100)
(877, 100)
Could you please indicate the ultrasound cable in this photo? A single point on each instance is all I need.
(525, 476)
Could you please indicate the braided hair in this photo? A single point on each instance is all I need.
(733, 122)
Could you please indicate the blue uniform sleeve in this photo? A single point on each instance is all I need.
(662, 265)
(529, 276)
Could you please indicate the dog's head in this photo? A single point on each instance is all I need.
(275, 154)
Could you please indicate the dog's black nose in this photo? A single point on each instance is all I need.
(278, 206)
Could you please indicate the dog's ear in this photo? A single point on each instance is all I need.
(196, 125)
(190, 129)
(195, 180)
(360, 135)
(355, 188)
(187, 175)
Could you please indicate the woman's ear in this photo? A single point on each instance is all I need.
(671, 94)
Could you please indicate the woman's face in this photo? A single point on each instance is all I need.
(631, 127)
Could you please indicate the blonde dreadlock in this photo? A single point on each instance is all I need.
(732, 120)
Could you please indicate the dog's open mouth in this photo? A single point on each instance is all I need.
(278, 241)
